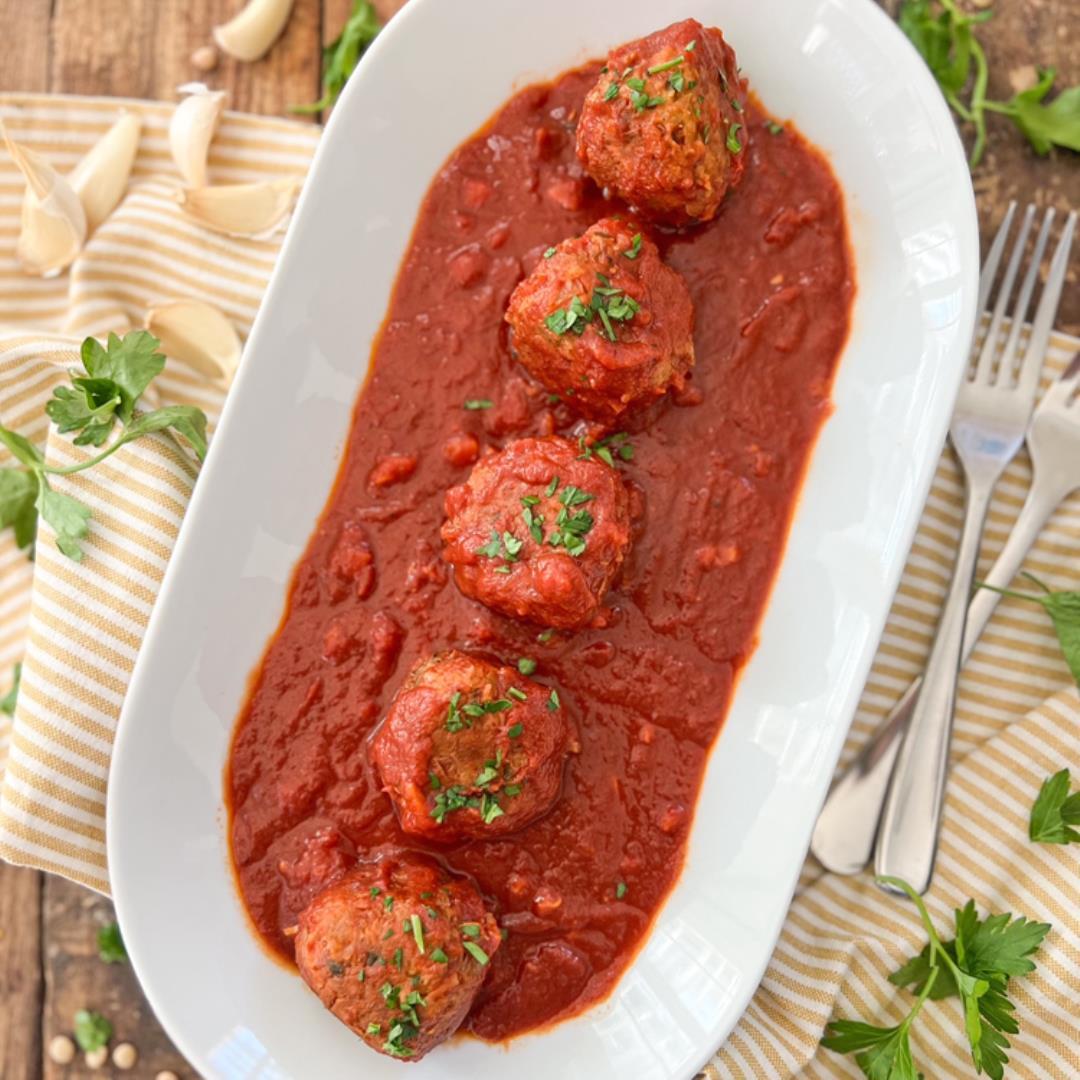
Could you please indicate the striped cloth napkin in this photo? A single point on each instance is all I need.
(77, 629)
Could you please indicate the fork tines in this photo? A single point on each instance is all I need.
(996, 361)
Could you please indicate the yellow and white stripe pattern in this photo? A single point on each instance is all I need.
(78, 627)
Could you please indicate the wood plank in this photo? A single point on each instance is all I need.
(20, 973)
(142, 48)
(26, 65)
(75, 978)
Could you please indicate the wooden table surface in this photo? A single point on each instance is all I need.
(141, 48)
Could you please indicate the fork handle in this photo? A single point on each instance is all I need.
(908, 837)
(843, 840)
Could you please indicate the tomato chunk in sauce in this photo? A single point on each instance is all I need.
(714, 475)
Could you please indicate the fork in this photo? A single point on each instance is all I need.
(993, 408)
(844, 835)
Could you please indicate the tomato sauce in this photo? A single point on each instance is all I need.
(715, 475)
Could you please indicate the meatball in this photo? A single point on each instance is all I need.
(397, 950)
(603, 322)
(664, 125)
(471, 749)
(538, 532)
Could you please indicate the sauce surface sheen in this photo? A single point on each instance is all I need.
(714, 476)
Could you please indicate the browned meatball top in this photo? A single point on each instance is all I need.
(397, 950)
(604, 322)
(537, 532)
(471, 749)
(664, 125)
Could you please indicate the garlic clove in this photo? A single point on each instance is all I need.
(198, 334)
(254, 210)
(53, 226)
(251, 32)
(101, 177)
(191, 130)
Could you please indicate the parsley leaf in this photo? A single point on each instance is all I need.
(7, 702)
(18, 504)
(130, 363)
(1056, 124)
(111, 945)
(881, 1053)
(1055, 812)
(1064, 611)
(342, 55)
(68, 517)
(92, 1030)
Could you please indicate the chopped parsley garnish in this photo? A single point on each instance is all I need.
(512, 789)
(395, 1040)
(374, 1029)
(545, 636)
(571, 528)
(508, 546)
(517, 693)
(490, 808)
(526, 665)
(439, 957)
(389, 934)
(476, 952)
(552, 487)
(677, 81)
(434, 781)
(534, 523)
(446, 802)
(736, 104)
(418, 932)
(691, 46)
(634, 249)
(553, 700)
(389, 993)
(489, 772)
(620, 890)
(375, 890)
(515, 731)
(611, 92)
(454, 720)
(733, 143)
(361, 975)
(388, 903)
(773, 128)
(399, 958)
(706, 131)
(666, 66)
(606, 448)
(475, 404)
(470, 929)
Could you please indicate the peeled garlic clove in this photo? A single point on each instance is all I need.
(198, 334)
(101, 177)
(53, 221)
(241, 209)
(191, 129)
(250, 33)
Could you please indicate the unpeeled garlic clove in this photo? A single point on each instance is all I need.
(191, 130)
(253, 210)
(53, 226)
(101, 177)
(251, 32)
(198, 334)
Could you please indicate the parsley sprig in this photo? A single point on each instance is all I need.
(1055, 813)
(976, 966)
(100, 401)
(1064, 611)
(342, 55)
(945, 38)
